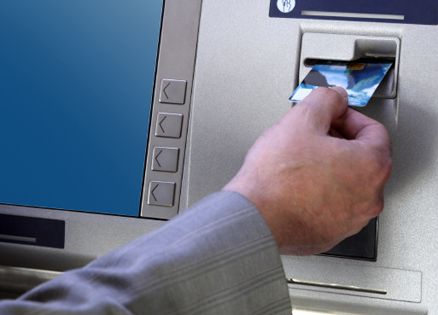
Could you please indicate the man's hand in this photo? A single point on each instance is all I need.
(317, 177)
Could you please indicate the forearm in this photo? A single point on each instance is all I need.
(217, 258)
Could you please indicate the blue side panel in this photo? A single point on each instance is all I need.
(414, 12)
(76, 84)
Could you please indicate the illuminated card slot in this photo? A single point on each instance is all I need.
(354, 15)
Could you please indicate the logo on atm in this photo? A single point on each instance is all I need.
(286, 6)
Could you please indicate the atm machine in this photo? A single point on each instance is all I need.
(116, 116)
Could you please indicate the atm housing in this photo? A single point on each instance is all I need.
(232, 65)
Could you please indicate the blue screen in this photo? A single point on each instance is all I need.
(76, 85)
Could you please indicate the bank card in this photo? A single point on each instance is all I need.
(360, 79)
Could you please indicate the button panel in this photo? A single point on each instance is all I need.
(164, 168)
(165, 159)
(170, 114)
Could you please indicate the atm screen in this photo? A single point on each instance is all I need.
(76, 87)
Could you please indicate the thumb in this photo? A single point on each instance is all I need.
(323, 106)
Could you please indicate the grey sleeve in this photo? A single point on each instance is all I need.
(219, 257)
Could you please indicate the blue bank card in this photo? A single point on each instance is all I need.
(360, 79)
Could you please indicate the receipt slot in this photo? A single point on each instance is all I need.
(347, 47)
(341, 47)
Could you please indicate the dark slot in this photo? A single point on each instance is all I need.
(309, 62)
(32, 231)
(362, 246)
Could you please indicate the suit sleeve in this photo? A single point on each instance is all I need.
(219, 257)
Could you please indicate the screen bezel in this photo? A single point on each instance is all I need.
(88, 235)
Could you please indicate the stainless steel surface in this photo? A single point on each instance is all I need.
(399, 285)
(176, 62)
(106, 233)
(324, 305)
(354, 15)
(335, 286)
(247, 66)
(14, 280)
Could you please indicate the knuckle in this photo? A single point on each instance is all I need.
(379, 125)
(377, 208)
(387, 169)
(374, 164)
(378, 162)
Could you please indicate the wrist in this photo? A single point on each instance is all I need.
(267, 209)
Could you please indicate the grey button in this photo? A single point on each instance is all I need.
(165, 160)
(169, 125)
(173, 91)
(161, 194)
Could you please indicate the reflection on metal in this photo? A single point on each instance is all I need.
(14, 238)
(304, 312)
(335, 286)
(20, 280)
(299, 311)
(354, 15)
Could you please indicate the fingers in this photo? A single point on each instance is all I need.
(375, 146)
(327, 107)
(322, 107)
(361, 128)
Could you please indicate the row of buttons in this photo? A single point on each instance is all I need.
(166, 159)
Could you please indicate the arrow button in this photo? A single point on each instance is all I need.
(165, 160)
(160, 124)
(169, 125)
(157, 156)
(154, 198)
(173, 91)
(161, 194)
(168, 84)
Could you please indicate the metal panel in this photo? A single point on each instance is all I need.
(179, 36)
(247, 66)
(346, 278)
(389, 11)
(176, 62)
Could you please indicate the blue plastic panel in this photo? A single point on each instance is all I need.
(413, 12)
(76, 85)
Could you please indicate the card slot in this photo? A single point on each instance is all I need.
(360, 79)
(331, 48)
(386, 89)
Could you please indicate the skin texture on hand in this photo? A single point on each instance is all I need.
(318, 175)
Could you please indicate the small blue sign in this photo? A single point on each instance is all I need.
(389, 11)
